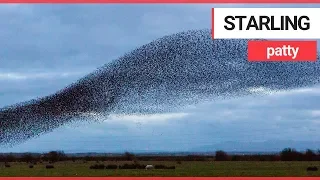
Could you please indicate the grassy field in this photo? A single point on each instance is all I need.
(183, 169)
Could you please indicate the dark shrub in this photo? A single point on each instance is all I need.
(164, 167)
(97, 166)
(111, 166)
(30, 166)
(160, 167)
(140, 166)
(313, 168)
(178, 162)
(171, 167)
(49, 166)
(128, 166)
(132, 166)
(221, 156)
(7, 165)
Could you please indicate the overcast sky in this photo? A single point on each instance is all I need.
(46, 47)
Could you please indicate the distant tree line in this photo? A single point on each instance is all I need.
(287, 154)
(52, 156)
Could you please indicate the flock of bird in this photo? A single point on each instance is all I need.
(171, 72)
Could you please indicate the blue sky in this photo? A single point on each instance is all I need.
(46, 47)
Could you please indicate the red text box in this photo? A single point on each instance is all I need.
(288, 51)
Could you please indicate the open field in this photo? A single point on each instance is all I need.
(195, 168)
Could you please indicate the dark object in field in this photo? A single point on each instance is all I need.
(164, 167)
(159, 166)
(7, 165)
(128, 166)
(221, 156)
(30, 166)
(313, 168)
(179, 162)
(111, 166)
(97, 166)
(49, 166)
(140, 166)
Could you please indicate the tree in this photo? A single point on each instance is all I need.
(2, 158)
(310, 155)
(55, 156)
(289, 154)
(129, 156)
(10, 158)
(27, 157)
(221, 156)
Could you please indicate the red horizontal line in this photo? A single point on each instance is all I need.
(160, 178)
(165, 1)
